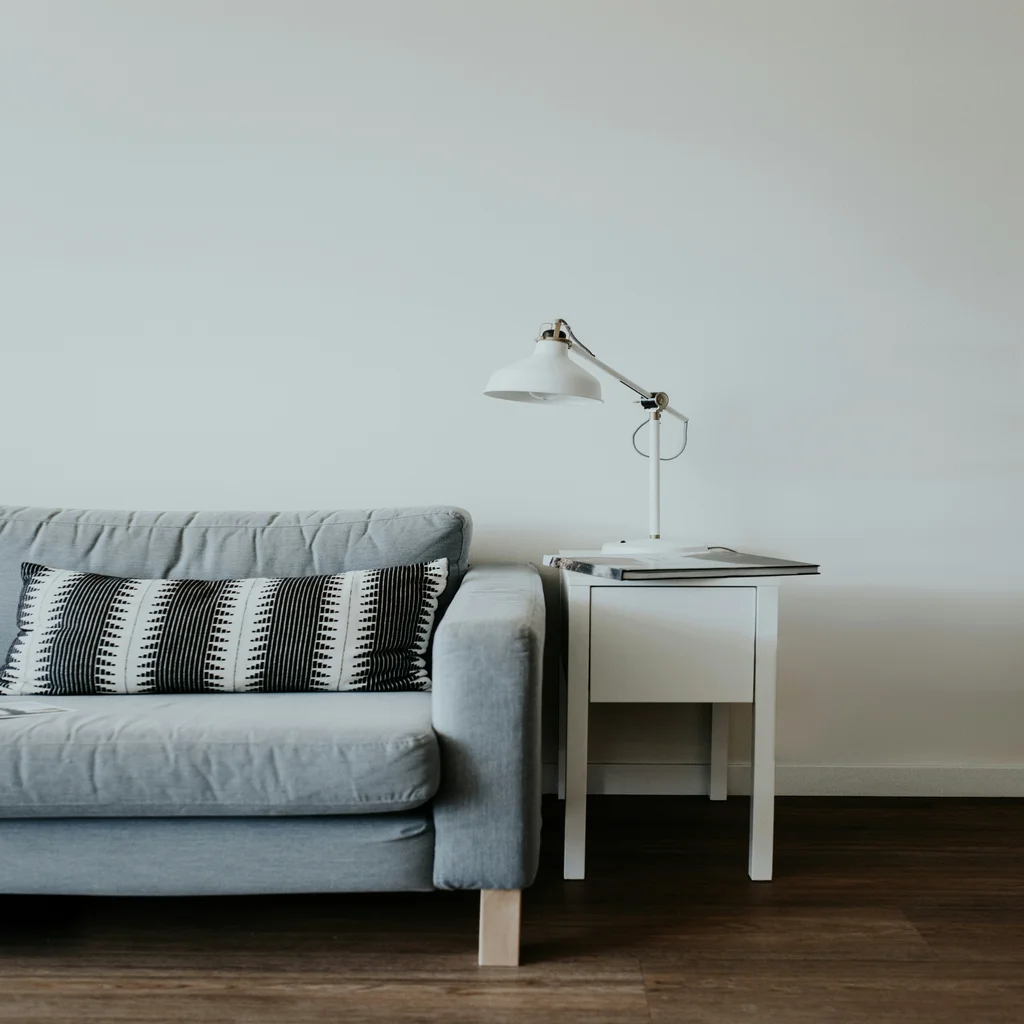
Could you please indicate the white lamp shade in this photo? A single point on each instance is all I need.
(549, 375)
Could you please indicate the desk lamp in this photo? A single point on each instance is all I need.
(550, 377)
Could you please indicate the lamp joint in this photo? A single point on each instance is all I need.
(555, 333)
(657, 403)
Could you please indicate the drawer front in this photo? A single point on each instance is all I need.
(668, 644)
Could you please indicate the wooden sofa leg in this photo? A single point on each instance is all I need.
(500, 912)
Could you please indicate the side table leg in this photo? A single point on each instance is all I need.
(762, 757)
(577, 714)
(563, 701)
(719, 787)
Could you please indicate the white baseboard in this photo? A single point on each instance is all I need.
(899, 780)
(923, 780)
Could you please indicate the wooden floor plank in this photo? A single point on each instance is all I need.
(823, 992)
(785, 933)
(487, 996)
(993, 936)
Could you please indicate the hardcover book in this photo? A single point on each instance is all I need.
(714, 562)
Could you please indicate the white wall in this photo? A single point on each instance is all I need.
(265, 254)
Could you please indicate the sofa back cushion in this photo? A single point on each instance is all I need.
(219, 545)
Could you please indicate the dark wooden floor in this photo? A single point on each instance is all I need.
(881, 910)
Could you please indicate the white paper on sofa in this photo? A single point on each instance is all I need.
(17, 708)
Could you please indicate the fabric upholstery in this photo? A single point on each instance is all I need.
(86, 633)
(488, 652)
(220, 754)
(217, 856)
(220, 545)
(485, 712)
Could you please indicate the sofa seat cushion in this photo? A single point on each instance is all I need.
(220, 754)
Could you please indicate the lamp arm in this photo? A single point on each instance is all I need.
(584, 353)
(656, 404)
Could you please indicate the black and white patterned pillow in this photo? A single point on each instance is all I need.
(83, 633)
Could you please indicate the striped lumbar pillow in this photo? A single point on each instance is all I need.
(82, 633)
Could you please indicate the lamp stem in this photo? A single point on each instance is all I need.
(654, 475)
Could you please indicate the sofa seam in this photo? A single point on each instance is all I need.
(425, 740)
(296, 811)
(242, 526)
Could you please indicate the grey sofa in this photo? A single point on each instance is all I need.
(258, 793)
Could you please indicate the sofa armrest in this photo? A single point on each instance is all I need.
(487, 660)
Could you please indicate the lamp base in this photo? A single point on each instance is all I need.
(653, 548)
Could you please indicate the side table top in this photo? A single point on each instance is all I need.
(716, 562)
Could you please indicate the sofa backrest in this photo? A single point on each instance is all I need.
(224, 545)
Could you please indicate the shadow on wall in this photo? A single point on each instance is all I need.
(901, 675)
(877, 676)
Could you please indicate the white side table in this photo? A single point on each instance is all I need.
(702, 640)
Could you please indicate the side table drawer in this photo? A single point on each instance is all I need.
(672, 644)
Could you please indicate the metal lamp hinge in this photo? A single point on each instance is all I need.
(658, 402)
